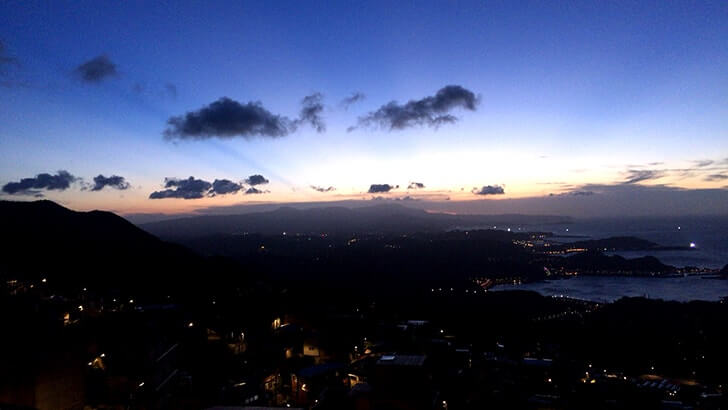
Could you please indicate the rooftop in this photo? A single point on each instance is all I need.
(401, 360)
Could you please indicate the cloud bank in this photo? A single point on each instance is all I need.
(31, 186)
(190, 188)
(193, 188)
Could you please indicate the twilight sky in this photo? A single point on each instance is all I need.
(537, 107)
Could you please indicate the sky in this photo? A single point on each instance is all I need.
(582, 108)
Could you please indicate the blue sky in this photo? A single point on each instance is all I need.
(570, 94)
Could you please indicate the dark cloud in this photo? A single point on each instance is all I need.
(378, 188)
(113, 181)
(703, 163)
(716, 177)
(352, 99)
(190, 188)
(30, 186)
(253, 190)
(431, 111)
(489, 190)
(7, 77)
(639, 175)
(227, 118)
(4, 58)
(312, 107)
(256, 179)
(415, 185)
(96, 69)
(170, 90)
(322, 189)
(224, 186)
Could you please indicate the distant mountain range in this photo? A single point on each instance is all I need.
(104, 251)
(388, 218)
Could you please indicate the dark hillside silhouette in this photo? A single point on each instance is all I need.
(94, 249)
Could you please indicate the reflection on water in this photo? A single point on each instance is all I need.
(611, 288)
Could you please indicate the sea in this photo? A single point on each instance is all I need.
(610, 288)
(709, 234)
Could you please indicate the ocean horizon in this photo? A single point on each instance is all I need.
(708, 233)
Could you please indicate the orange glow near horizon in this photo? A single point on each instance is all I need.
(136, 201)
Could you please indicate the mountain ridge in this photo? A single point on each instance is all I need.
(95, 248)
(381, 218)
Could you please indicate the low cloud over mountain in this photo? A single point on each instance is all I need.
(33, 186)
